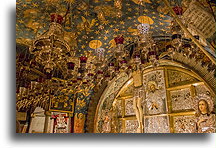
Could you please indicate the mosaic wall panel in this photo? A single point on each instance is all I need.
(154, 83)
(158, 124)
(129, 107)
(181, 99)
(176, 78)
(184, 124)
(131, 126)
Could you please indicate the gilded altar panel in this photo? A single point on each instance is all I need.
(181, 99)
(129, 110)
(154, 84)
(157, 124)
(176, 78)
(184, 124)
(131, 126)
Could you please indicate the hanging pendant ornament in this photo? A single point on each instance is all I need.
(176, 30)
(83, 61)
(99, 55)
(50, 48)
(143, 28)
(120, 47)
(153, 56)
(118, 4)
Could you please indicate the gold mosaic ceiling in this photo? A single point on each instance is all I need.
(84, 29)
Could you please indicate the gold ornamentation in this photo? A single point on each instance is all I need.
(156, 124)
(184, 124)
(179, 78)
(181, 99)
(86, 24)
(141, 2)
(155, 92)
(145, 20)
(131, 126)
(118, 4)
(94, 44)
(80, 103)
(137, 78)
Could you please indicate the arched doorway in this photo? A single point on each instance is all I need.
(170, 108)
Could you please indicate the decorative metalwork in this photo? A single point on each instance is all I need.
(202, 89)
(181, 99)
(176, 78)
(157, 124)
(131, 126)
(62, 101)
(119, 107)
(129, 109)
(199, 20)
(50, 48)
(120, 126)
(155, 92)
(38, 94)
(108, 98)
(184, 124)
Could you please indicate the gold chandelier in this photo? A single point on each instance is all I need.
(50, 48)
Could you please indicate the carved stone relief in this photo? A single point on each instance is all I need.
(181, 99)
(184, 124)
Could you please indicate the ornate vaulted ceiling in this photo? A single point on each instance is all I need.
(90, 24)
(86, 29)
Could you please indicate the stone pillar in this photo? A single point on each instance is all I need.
(47, 121)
